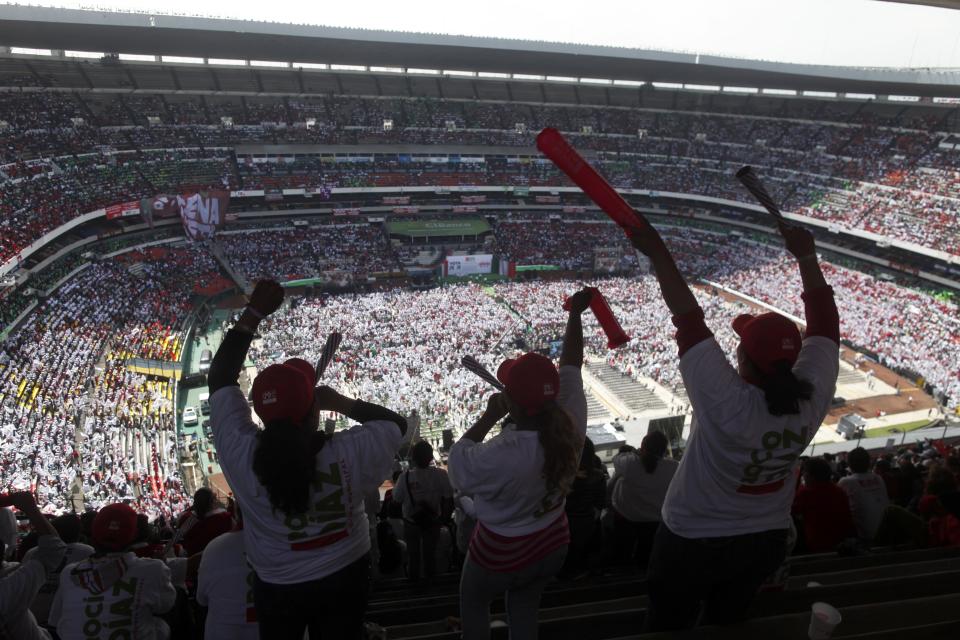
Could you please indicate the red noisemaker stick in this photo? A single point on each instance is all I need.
(553, 145)
(616, 336)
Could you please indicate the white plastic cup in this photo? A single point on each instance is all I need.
(823, 620)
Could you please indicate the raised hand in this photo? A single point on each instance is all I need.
(646, 239)
(798, 240)
(498, 406)
(328, 399)
(580, 301)
(22, 500)
(267, 297)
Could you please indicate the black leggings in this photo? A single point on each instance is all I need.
(331, 607)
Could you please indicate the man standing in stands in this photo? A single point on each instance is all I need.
(727, 510)
(822, 509)
(113, 593)
(867, 493)
(426, 498)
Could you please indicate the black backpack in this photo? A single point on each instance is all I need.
(423, 514)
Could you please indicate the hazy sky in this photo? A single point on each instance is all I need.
(840, 32)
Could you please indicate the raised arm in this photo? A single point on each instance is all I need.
(572, 353)
(225, 368)
(327, 399)
(687, 314)
(820, 308)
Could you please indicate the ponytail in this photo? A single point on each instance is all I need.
(783, 391)
(652, 448)
(561, 445)
(284, 462)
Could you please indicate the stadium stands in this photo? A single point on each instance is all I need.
(91, 377)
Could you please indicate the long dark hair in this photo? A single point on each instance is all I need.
(284, 462)
(561, 449)
(783, 391)
(652, 448)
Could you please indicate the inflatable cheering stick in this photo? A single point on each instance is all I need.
(553, 145)
(616, 336)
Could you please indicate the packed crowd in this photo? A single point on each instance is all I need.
(401, 348)
(890, 181)
(75, 185)
(74, 414)
(336, 252)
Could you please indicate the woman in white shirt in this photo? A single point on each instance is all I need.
(306, 531)
(518, 481)
(726, 516)
(640, 481)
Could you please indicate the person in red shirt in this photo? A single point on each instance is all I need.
(823, 508)
(202, 522)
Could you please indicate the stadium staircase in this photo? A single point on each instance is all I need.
(596, 411)
(884, 595)
(631, 393)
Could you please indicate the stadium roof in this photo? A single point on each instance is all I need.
(944, 4)
(146, 34)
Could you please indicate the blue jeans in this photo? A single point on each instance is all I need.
(717, 577)
(478, 588)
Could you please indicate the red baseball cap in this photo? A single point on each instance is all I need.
(284, 391)
(530, 380)
(768, 338)
(114, 527)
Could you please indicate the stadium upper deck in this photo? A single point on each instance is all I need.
(596, 72)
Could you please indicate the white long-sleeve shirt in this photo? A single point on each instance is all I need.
(19, 587)
(225, 587)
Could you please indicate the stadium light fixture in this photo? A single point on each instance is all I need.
(137, 57)
(387, 69)
(860, 96)
(527, 76)
(780, 92)
(596, 81)
(491, 74)
(741, 90)
(561, 79)
(83, 54)
(946, 100)
(454, 72)
(181, 59)
(347, 67)
(25, 51)
(629, 83)
(668, 85)
(903, 98)
(269, 63)
(227, 61)
(309, 65)
(820, 94)
(429, 72)
(701, 87)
